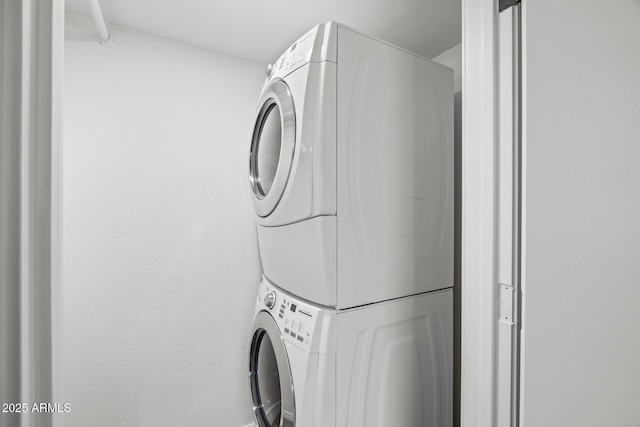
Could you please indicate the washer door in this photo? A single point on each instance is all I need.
(270, 375)
(272, 147)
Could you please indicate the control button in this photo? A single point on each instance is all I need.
(293, 334)
(270, 299)
(300, 338)
(286, 330)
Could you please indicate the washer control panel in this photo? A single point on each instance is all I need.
(296, 319)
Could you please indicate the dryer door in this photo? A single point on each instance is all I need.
(272, 147)
(270, 375)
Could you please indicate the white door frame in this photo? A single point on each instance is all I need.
(33, 55)
(491, 216)
(57, 79)
(40, 217)
(479, 214)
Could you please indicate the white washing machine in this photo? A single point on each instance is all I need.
(385, 364)
(351, 170)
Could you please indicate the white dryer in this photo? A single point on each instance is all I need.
(386, 364)
(351, 170)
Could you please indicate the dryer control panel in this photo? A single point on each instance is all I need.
(316, 45)
(297, 55)
(300, 322)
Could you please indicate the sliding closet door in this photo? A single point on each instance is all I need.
(580, 354)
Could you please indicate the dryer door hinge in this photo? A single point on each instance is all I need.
(506, 4)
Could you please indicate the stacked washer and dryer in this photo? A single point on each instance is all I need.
(351, 172)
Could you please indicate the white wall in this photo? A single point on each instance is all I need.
(452, 58)
(581, 245)
(160, 255)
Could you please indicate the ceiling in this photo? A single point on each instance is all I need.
(260, 30)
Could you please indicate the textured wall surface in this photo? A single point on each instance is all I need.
(160, 257)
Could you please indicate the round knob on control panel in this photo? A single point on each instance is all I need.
(270, 69)
(270, 299)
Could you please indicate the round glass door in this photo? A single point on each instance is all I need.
(270, 376)
(268, 149)
(272, 147)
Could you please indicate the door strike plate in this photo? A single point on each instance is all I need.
(506, 304)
